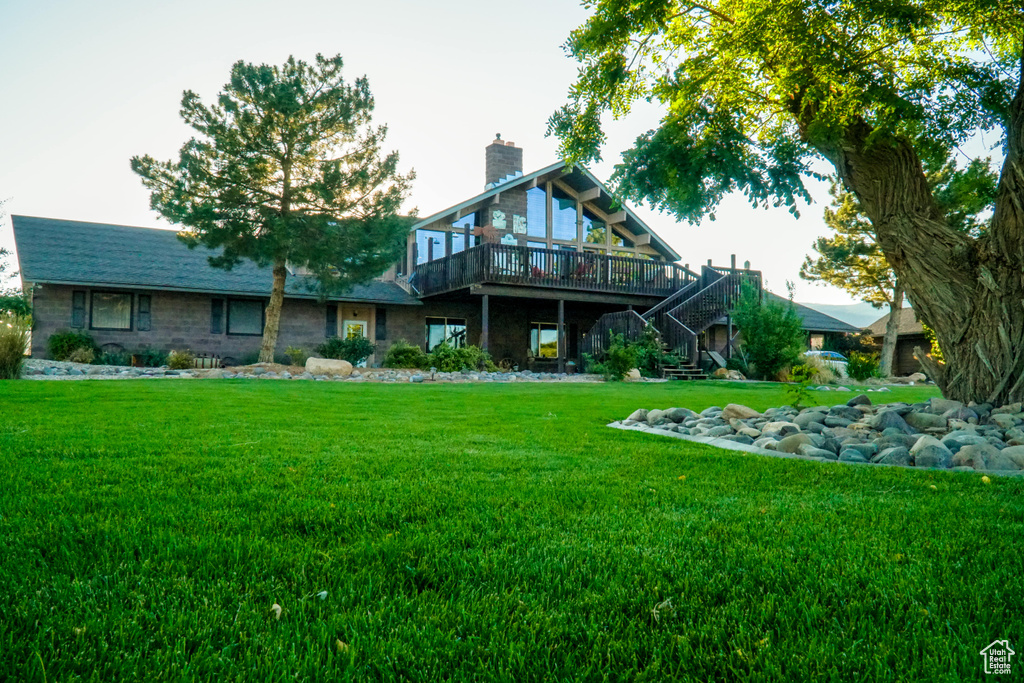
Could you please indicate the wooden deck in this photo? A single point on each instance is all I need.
(550, 268)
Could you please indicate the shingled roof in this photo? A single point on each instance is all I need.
(52, 251)
(908, 324)
(815, 321)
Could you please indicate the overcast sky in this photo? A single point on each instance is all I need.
(86, 85)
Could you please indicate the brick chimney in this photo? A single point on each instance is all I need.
(503, 159)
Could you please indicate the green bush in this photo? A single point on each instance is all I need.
(181, 360)
(15, 304)
(353, 349)
(296, 356)
(14, 337)
(402, 354)
(61, 345)
(773, 335)
(150, 358)
(112, 358)
(650, 356)
(82, 355)
(617, 361)
(448, 359)
(862, 366)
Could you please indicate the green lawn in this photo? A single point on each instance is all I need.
(487, 532)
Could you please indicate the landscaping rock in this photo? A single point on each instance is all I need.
(850, 455)
(1009, 408)
(836, 421)
(1015, 454)
(846, 412)
(929, 452)
(890, 419)
(974, 456)
(633, 376)
(779, 429)
(639, 415)
(943, 405)
(329, 366)
(723, 430)
(738, 438)
(862, 400)
(812, 452)
(892, 456)
(723, 373)
(679, 414)
(741, 412)
(1003, 420)
(792, 443)
(923, 421)
(809, 417)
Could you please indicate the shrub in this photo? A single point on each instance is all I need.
(353, 349)
(819, 371)
(14, 336)
(862, 366)
(61, 345)
(15, 304)
(618, 360)
(468, 357)
(150, 358)
(802, 377)
(112, 358)
(82, 354)
(296, 356)
(773, 336)
(650, 356)
(181, 360)
(402, 354)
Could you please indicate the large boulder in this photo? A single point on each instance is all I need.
(1003, 420)
(860, 400)
(679, 414)
(943, 405)
(1014, 454)
(328, 366)
(806, 418)
(739, 412)
(639, 415)
(722, 373)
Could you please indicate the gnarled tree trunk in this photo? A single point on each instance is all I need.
(969, 291)
(273, 326)
(892, 329)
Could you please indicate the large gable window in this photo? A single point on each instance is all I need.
(111, 311)
(537, 213)
(245, 316)
(563, 216)
(429, 245)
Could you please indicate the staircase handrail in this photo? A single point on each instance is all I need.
(668, 301)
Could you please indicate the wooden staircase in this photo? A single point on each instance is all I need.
(679, 318)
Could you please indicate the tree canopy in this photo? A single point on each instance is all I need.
(756, 91)
(286, 171)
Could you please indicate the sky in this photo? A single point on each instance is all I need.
(86, 86)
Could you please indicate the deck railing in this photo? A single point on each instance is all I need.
(551, 268)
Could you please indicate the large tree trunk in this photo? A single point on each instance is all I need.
(969, 291)
(892, 327)
(273, 326)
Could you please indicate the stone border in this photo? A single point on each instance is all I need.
(726, 444)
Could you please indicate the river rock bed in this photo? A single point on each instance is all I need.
(941, 433)
(38, 369)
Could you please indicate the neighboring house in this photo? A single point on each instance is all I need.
(818, 327)
(537, 269)
(910, 334)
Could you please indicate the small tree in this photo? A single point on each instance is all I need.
(286, 170)
(773, 335)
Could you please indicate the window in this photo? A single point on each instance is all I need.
(544, 340)
(331, 323)
(78, 309)
(216, 316)
(111, 311)
(537, 212)
(380, 332)
(459, 242)
(429, 245)
(594, 230)
(145, 313)
(450, 330)
(563, 216)
(245, 316)
(467, 221)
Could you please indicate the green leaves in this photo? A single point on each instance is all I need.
(286, 167)
(752, 89)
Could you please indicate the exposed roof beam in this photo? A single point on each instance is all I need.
(617, 217)
(590, 195)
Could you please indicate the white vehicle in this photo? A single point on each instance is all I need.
(833, 360)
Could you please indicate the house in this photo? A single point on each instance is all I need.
(909, 335)
(537, 269)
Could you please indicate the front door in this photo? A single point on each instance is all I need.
(355, 328)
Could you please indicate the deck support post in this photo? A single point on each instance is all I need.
(485, 323)
(728, 341)
(561, 336)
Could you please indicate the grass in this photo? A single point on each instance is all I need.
(489, 532)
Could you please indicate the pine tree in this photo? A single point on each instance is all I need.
(286, 171)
